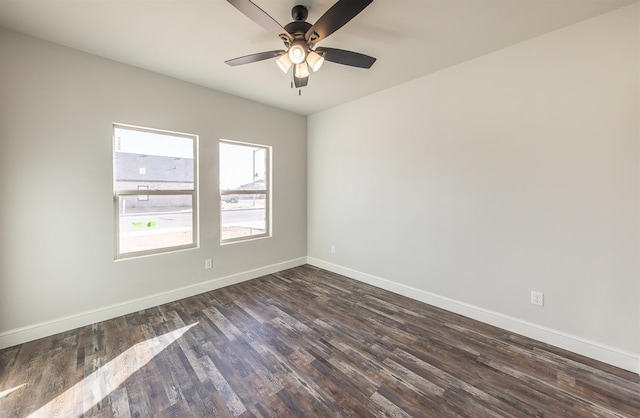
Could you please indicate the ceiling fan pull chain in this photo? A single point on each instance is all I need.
(299, 92)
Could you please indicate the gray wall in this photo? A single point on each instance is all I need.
(516, 171)
(57, 107)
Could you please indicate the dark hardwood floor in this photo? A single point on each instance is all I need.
(304, 342)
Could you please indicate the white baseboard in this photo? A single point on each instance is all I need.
(601, 352)
(55, 326)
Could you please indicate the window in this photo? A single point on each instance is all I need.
(155, 191)
(244, 191)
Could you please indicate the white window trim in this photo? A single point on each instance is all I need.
(151, 192)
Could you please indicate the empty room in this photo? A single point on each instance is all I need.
(327, 208)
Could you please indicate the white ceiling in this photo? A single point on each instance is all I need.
(191, 39)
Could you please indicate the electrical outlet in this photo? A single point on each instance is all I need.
(537, 298)
(208, 263)
(333, 249)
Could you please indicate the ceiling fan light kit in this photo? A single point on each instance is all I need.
(300, 38)
(315, 60)
(301, 70)
(284, 62)
(298, 52)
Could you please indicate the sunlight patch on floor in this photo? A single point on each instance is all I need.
(84, 395)
(8, 391)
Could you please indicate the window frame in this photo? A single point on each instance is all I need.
(151, 192)
(266, 192)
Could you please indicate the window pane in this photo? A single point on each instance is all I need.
(146, 162)
(243, 167)
(244, 190)
(156, 160)
(243, 215)
(157, 222)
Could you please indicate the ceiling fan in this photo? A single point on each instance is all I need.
(300, 38)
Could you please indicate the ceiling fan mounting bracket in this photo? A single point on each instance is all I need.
(299, 13)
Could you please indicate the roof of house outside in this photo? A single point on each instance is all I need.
(152, 168)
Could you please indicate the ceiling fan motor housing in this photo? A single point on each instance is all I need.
(298, 28)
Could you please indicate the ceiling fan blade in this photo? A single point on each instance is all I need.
(248, 59)
(334, 18)
(255, 13)
(300, 81)
(341, 56)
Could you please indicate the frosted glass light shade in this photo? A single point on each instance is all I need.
(301, 70)
(284, 63)
(315, 60)
(297, 53)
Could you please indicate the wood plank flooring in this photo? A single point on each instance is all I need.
(308, 343)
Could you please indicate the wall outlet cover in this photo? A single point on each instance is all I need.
(537, 298)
